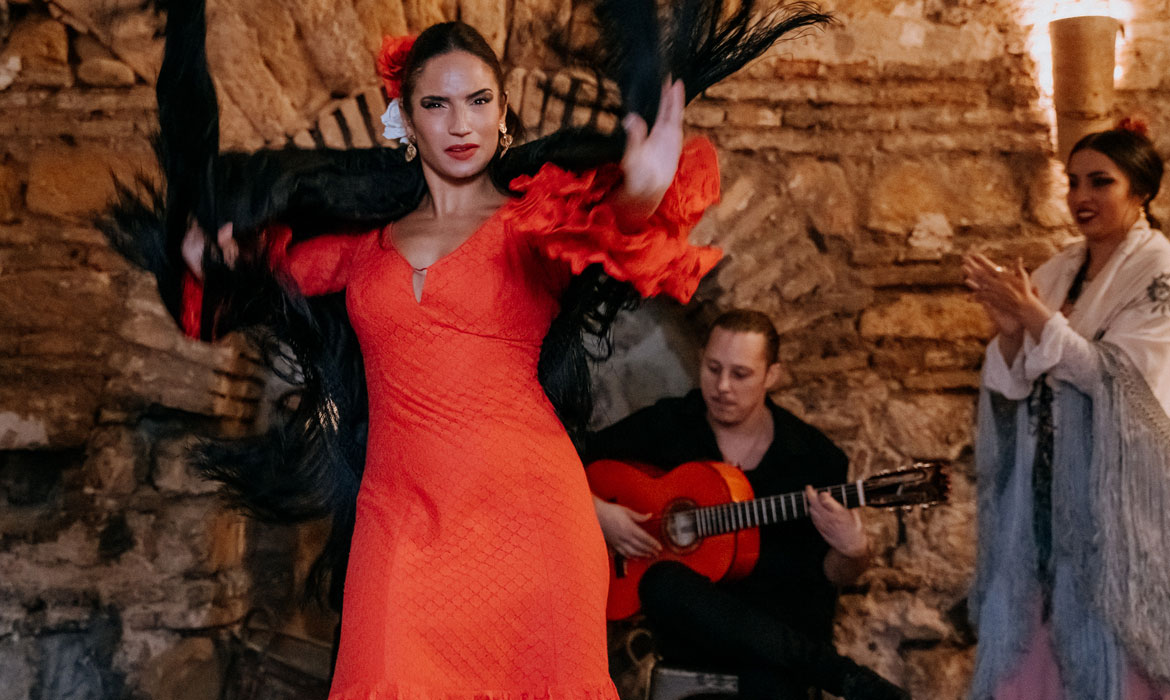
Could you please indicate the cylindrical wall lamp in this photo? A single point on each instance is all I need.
(1082, 76)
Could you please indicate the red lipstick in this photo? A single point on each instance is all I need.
(462, 151)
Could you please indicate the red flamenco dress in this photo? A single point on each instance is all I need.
(477, 567)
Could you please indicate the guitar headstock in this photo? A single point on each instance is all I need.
(923, 483)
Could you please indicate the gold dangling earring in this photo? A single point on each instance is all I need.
(505, 138)
(411, 151)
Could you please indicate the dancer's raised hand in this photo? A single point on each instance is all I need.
(195, 239)
(651, 155)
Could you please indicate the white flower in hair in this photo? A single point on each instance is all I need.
(392, 120)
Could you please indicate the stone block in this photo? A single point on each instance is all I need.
(145, 377)
(931, 237)
(105, 72)
(242, 77)
(942, 381)
(9, 71)
(930, 426)
(45, 410)
(964, 191)
(76, 182)
(490, 17)
(77, 300)
(189, 670)
(421, 14)
(34, 478)
(911, 275)
(1046, 190)
(940, 673)
(74, 548)
(116, 461)
(87, 47)
(937, 317)
(1147, 54)
(176, 538)
(911, 616)
(753, 116)
(966, 355)
(131, 36)
(327, 32)
(823, 191)
(277, 34)
(381, 18)
(11, 200)
(39, 39)
(172, 470)
(872, 642)
(705, 115)
(227, 538)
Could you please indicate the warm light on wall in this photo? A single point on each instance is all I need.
(1035, 17)
(1083, 65)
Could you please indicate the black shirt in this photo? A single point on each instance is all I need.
(789, 579)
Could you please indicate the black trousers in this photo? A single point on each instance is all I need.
(697, 624)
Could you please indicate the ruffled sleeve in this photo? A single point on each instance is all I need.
(570, 221)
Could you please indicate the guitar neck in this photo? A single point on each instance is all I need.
(729, 517)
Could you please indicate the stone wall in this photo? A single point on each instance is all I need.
(858, 166)
(118, 567)
(859, 163)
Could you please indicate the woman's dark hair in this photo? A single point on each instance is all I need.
(448, 37)
(1134, 154)
(749, 321)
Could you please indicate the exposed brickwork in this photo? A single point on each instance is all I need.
(859, 164)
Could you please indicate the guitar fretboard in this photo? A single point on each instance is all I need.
(729, 517)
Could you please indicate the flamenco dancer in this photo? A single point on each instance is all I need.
(433, 303)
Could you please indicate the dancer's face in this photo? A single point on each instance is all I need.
(1100, 197)
(455, 115)
(735, 375)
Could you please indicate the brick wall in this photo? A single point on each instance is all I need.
(859, 164)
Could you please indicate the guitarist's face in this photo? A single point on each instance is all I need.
(735, 375)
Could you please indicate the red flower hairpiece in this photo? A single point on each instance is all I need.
(392, 63)
(1134, 125)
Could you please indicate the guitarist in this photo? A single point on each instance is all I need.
(774, 627)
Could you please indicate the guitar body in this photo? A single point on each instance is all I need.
(647, 489)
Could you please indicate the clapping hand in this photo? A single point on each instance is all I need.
(981, 274)
(1007, 294)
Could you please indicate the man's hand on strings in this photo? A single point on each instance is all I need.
(622, 531)
(840, 526)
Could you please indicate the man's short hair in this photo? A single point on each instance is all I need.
(749, 321)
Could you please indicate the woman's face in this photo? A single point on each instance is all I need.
(1099, 196)
(455, 115)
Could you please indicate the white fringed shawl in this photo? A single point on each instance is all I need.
(1109, 367)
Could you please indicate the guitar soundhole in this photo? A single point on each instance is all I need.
(679, 530)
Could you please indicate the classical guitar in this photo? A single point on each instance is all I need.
(705, 515)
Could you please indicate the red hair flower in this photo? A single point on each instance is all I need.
(392, 63)
(1134, 125)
